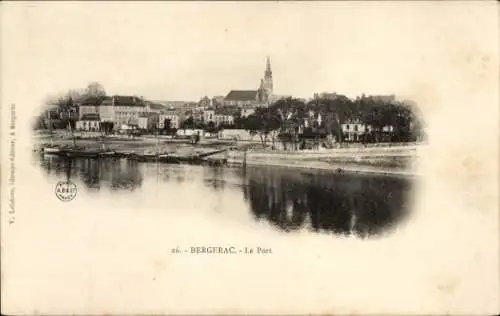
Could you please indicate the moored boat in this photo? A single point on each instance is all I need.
(76, 153)
(107, 153)
(51, 149)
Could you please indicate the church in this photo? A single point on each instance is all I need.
(249, 98)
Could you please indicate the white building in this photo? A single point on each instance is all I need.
(173, 116)
(89, 122)
(224, 119)
(209, 115)
(148, 120)
(353, 129)
(122, 110)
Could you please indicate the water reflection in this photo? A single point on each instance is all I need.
(339, 203)
(287, 199)
(116, 174)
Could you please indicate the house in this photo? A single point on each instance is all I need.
(314, 119)
(354, 129)
(89, 122)
(224, 116)
(209, 115)
(174, 116)
(148, 120)
(190, 106)
(122, 110)
(90, 105)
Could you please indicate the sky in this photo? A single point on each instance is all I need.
(184, 51)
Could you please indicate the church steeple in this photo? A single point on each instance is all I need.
(268, 72)
(268, 78)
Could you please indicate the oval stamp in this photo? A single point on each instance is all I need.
(66, 190)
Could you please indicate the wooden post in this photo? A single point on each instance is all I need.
(245, 158)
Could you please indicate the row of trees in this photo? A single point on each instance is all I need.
(286, 118)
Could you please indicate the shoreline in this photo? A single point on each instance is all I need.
(334, 168)
(295, 160)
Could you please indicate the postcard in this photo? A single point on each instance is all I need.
(250, 158)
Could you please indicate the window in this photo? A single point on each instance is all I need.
(355, 128)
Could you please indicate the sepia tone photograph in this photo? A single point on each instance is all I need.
(250, 158)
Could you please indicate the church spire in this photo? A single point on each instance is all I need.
(268, 67)
(267, 82)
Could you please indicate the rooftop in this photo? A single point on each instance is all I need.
(157, 106)
(93, 100)
(242, 95)
(119, 100)
(90, 117)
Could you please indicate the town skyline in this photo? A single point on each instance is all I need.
(184, 51)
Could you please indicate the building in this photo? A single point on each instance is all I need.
(354, 129)
(198, 115)
(314, 119)
(245, 112)
(90, 105)
(326, 96)
(251, 98)
(217, 101)
(243, 98)
(205, 102)
(192, 107)
(122, 110)
(148, 120)
(209, 115)
(224, 116)
(171, 104)
(174, 116)
(154, 107)
(89, 122)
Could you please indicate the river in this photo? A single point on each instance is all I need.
(287, 200)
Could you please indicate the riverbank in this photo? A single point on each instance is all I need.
(136, 145)
(336, 167)
(394, 160)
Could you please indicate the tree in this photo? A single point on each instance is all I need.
(292, 113)
(107, 127)
(188, 123)
(263, 123)
(167, 125)
(211, 128)
(95, 89)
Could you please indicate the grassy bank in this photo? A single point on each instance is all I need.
(396, 161)
(385, 167)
